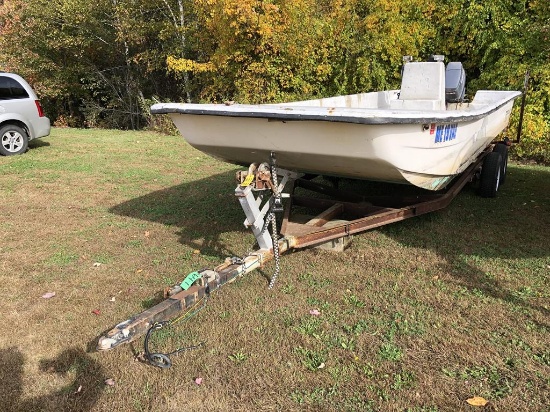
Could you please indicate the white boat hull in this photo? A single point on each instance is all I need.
(403, 136)
(400, 153)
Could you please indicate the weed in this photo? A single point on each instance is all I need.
(403, 380)
(310, 359)
(340, 373)
(520, 344)
(358, 403)
(380, 392)
(288, 289)
(315, 396)
(357, 328)
(475, 372)
(499, 381)
(63, 258)
(314, 282)
(309, 326)
(322, 305)
(238, 357)
(524, 292)
(368, 370)
(449, 372)
(345, 342)
(543, 357)
(134, 243)
(103, 258)
(354, 301)
(389, 351)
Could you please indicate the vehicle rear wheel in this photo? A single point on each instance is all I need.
(490, 175)
(13, 140)
(503, 150)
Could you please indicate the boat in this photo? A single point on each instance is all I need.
(423, 134)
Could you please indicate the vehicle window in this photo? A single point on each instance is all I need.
(11, 89)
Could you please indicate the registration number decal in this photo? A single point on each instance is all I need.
(445, 132)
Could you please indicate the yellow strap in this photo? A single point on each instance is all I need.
(247, 180)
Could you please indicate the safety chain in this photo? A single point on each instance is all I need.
(270, 215)
(275, 206)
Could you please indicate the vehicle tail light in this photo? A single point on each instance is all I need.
(39, 107)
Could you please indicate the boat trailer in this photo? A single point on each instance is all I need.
(260, 193)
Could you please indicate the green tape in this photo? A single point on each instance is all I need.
(189, 280)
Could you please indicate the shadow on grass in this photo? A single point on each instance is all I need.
(511, 229)
(203, 209)
(36, 143)
(88, 376)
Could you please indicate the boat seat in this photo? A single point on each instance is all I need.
(422, 87)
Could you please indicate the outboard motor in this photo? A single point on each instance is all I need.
(455, 82)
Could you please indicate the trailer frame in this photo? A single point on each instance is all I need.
(370, 212)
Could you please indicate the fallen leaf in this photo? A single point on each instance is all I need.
(48, 295)
(198, 381)
(314, 312)
(112, 299)
(321, 366)
(196, 251)
(110, 382)
(96, 311)
(79, 389)
(146, 234)
(97, 264)
(477, 401)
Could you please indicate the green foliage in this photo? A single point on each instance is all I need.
(88, 60)
(389, 351)
(238, 357)
(311, 359)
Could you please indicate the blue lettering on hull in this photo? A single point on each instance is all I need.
(445, 133)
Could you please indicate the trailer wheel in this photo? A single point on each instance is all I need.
(490, 175)
(503, 150)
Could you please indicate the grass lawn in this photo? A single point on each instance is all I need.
(416, 316)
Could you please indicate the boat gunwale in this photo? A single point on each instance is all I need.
(274, 113)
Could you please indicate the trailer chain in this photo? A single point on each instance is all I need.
(270, 215)
(274, 236)
(276, 253)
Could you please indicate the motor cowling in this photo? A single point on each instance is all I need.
(455, 82)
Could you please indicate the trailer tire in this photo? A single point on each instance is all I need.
(502, 148)
(490, 175)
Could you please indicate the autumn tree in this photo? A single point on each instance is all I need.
(257, 51)
(93, 61)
